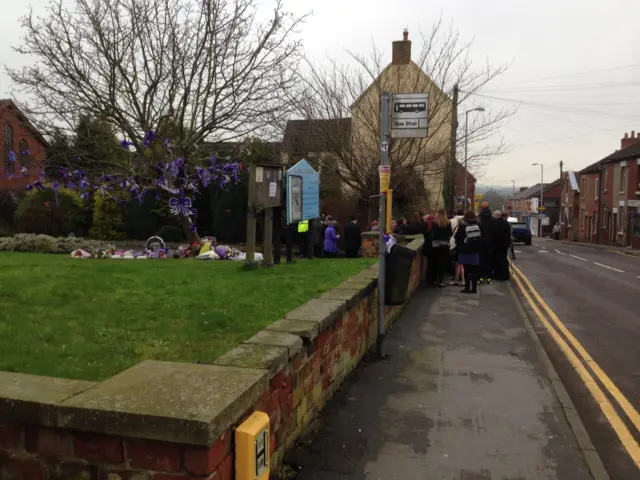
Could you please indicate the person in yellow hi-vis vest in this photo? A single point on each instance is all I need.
(303, 237)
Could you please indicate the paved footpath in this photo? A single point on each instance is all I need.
(465, 395)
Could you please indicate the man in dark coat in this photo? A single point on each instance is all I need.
(501, 241)
(486, 249)
(352, 238)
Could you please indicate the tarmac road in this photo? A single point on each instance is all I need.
(596, 295)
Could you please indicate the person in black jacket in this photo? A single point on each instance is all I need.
(352, 238)
(501, 241)
(440, 237)
(485, 221)
(468, 240)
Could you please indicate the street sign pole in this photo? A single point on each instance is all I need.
(384, 162)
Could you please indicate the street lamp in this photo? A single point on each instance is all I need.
(541, 197)
(466, 144)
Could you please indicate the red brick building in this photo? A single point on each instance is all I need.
(589, 203)
(22, 150)
(621, 206)
(570, 205)
(610, 197)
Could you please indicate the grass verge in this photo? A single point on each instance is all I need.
(90, 319)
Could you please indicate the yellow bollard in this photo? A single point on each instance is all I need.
(252, 448)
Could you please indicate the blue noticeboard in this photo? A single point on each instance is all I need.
(303, 192)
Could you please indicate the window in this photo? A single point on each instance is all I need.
(584, 187)
(621, 220)
(623, 179)
(595, 225)
(24, 154)
(604, 218)
(570, 217)
(23, 147)
(9, 154)
(604, 180)
(596, 189)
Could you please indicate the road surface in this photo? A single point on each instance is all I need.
(595, 295)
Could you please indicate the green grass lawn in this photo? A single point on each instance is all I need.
(90, 319)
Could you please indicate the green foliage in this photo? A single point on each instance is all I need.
(108, 219)
(7, 212)
(29, 242)
(38, 212)
(171, 233)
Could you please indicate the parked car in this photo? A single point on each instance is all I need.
(520, 232)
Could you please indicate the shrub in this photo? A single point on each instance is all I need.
(29, 242)
(108, 219)
(171, 233)
(38, 212)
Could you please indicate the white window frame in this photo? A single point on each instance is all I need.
(596, 189)
(623, 179)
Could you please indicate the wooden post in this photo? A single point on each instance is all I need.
(277, 232)
(310, 240)
(251, 217)
(290, 230)
(267, 242)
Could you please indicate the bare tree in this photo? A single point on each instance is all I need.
(333, 92)
(160, 73)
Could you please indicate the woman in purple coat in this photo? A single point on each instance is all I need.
(331, 239)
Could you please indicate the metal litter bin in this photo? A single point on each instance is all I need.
(398, 271)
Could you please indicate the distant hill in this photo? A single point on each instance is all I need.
(499, 189)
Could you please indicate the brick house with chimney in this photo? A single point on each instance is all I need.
(570, 205)
(621, 206)
(610, 197)
(22, 150)
(316, 138)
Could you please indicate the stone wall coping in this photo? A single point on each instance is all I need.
(169, 401)
(32, 399)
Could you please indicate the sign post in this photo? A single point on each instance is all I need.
(265, 192)
(384, 171)
(408, 114)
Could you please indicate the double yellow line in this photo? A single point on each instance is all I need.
(586, 367)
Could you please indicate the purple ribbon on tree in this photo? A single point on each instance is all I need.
(180, 205)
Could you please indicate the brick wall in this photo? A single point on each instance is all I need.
(92, 433)
(9, 114)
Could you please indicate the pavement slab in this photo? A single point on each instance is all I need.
(464, 395)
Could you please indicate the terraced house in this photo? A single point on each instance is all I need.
(610, 197)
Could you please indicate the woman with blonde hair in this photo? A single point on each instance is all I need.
(440, 237)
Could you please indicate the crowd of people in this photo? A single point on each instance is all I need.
(472, 248)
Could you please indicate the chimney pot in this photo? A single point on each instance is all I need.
(633, 134)
(401, 50)
(626, 135)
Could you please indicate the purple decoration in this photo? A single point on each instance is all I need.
(126, 144)
(54, 187)
(149, 137)
(180, 205)
(193, 228)
(12, 156)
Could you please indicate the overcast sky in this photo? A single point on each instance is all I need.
(573, 116)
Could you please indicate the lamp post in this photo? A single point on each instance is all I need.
(466, 144)
(541, 197)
